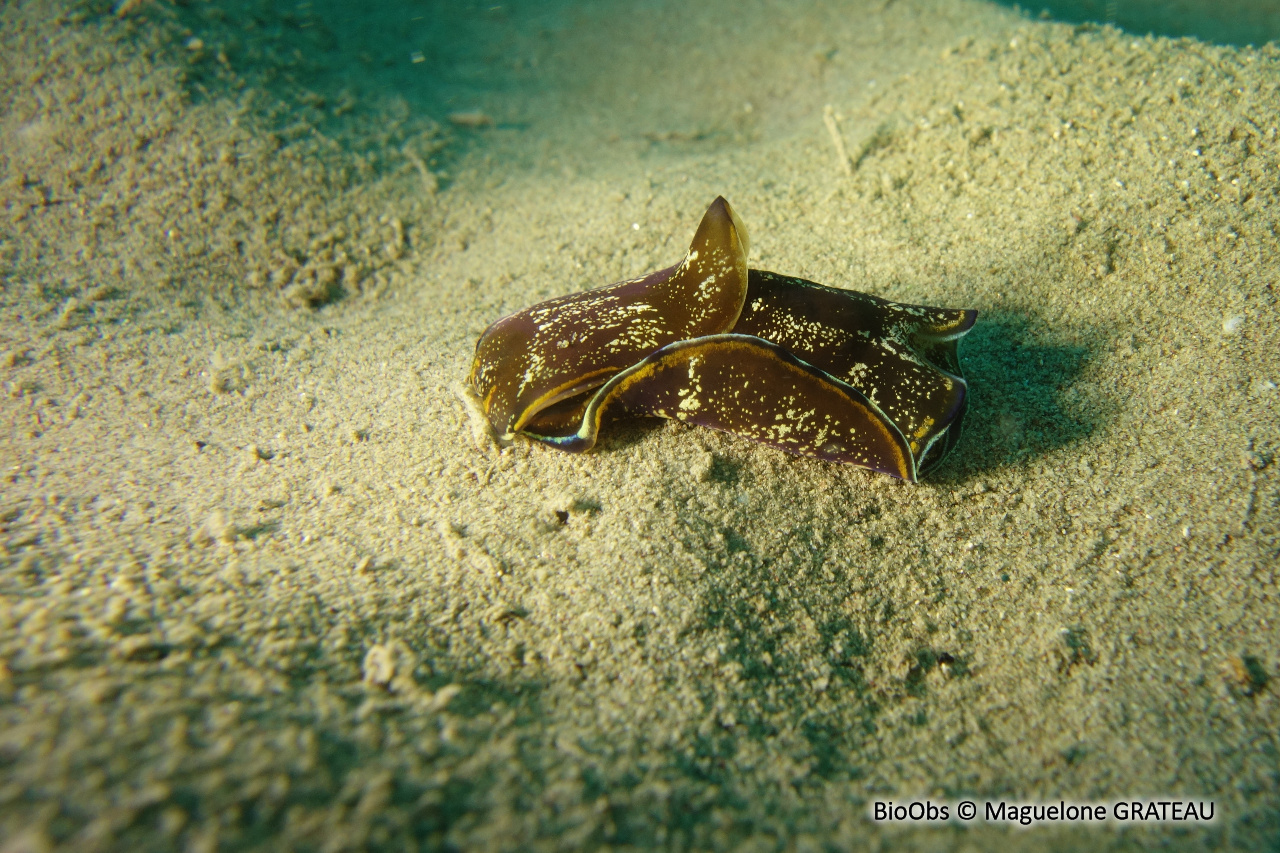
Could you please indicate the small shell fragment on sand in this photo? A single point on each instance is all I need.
(379, 666)
(837, 139)
(470, 118)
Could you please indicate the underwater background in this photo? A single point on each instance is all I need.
(267, 582)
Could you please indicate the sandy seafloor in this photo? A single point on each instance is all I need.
(265, 585)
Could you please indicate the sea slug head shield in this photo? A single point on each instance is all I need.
(813, 370)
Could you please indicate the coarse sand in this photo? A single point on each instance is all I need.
(266, 583)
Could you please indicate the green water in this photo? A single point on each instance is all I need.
(1238, 22)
